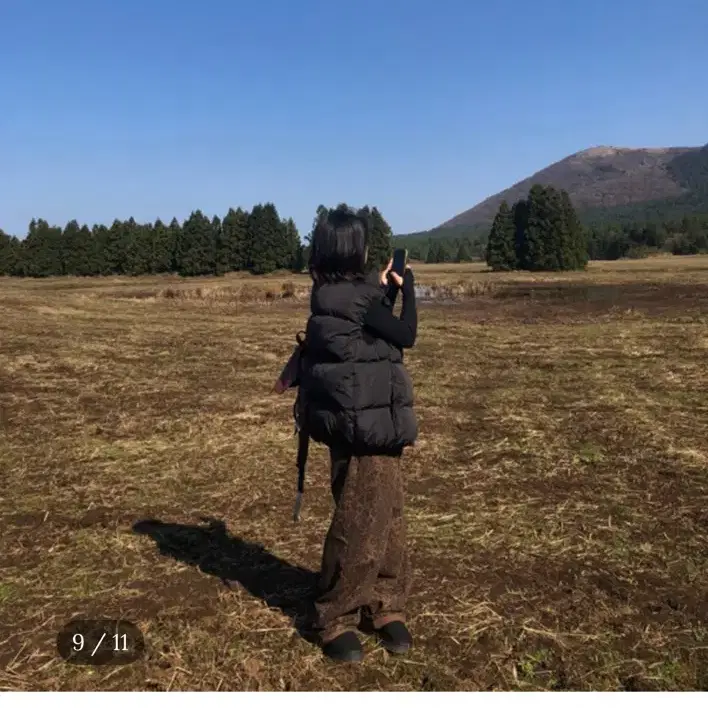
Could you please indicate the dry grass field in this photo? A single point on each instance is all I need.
(557, 500)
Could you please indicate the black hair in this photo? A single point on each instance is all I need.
(338, 249)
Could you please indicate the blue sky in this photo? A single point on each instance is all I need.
(153, 108)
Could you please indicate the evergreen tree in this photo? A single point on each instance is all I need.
(197, 246)
(99, 237)
(217, 237)
(221, 249)
(144, 240)
(9, 254)
(71, 254)
(559, 253)
(115, 256)
(380, 235)
(99, 240)
(92, 252)
(137, 247)
(442, 252)
(436, 252)
(417, 252)
(79, 250)
(294, 246)
(42, 250)
(696, 237)
(301, 258)
(162, 248)
(176, 241)
(575, 256)
(519, 217)
(463, 254)
(501, 245)
(541, 251)
(234, 241)
(654, 235)
(268, 248)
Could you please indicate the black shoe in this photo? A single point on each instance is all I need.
(395, 637)
(345, 647)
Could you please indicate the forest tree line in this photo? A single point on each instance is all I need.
(609, 236)
(682, 236)
(257, 241)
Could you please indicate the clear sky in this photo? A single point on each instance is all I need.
(153, 108)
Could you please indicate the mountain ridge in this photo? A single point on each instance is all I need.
(601, 178)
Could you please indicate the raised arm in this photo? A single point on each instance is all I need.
(381, 321)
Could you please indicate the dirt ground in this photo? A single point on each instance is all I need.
(557, 499)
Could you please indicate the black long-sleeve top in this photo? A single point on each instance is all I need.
(381, 321)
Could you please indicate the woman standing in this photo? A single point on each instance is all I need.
(360, 404)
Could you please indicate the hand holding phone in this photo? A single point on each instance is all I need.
(399, 261)
(396, 268)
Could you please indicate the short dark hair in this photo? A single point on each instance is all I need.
(338, 250)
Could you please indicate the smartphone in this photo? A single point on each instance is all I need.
(400, 260)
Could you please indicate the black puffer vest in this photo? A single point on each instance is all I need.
(358, 392)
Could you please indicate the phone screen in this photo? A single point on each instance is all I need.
(400, 257)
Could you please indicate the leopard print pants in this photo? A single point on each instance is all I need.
(365, 564)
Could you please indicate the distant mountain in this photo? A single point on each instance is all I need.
(602, 181)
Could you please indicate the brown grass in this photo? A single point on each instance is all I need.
(557, 498)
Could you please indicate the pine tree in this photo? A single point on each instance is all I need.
(558, 248)
(548, 233)
(437, 252)
(501, 245)
(234, 243)
(137, 247)
(417, 252)
(92, 252)
(70, 248)
(197, 246)
(540, 234)
(9, 254)
(519, 217)
(463, 254)
(79, 249)
(442, 252)
(379, 244)
(221, 250)
(145, 244)
(162, 247)
(301, 258)
(176, 241)
(42, 250)
(577, 247)
(217, 237)
(269, 244)
(294, 246)
(99, 239)
(116, 247)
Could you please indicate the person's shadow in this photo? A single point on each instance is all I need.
(282, 585)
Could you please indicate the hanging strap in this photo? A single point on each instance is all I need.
(303, 437)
